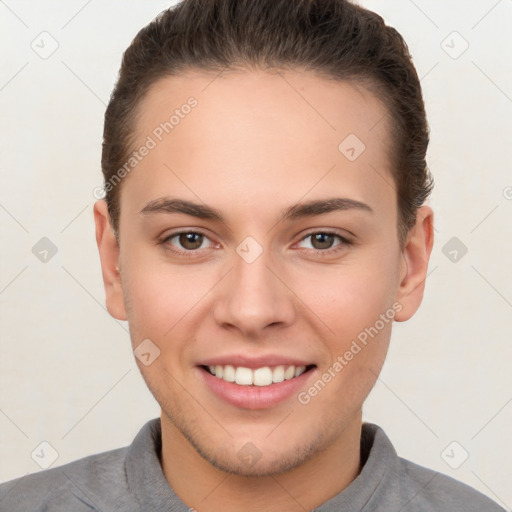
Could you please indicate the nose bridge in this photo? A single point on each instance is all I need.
(252, 297)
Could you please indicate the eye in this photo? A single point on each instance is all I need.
(186, 241)
(323, 241)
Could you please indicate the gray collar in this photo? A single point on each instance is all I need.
(152, 491)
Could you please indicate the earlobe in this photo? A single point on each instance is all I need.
(108, 248)
(416, 255)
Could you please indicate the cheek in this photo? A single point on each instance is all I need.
(351, 297)
(163, 297)
(357, 307)
(153, 306)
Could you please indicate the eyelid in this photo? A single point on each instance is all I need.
(329, 231)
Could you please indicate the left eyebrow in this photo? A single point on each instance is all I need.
(321, 206)
(297, 211)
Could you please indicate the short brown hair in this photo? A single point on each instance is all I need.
(333, 38)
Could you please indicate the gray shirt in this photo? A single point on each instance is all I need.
(130, 479)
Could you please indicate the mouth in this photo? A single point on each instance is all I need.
(261, 377)
(255, 381)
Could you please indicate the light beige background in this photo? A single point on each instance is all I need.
(67, 374)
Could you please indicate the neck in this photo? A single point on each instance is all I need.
(206, 488)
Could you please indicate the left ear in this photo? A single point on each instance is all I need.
(415, 258)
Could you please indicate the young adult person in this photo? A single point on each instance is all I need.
(264, 225)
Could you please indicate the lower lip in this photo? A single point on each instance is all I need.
(254, 397)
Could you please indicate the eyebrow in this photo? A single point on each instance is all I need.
(294, 212)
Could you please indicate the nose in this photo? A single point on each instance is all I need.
(253, 298)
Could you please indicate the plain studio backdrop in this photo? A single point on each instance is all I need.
(68, 377)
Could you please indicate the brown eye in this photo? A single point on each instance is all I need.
(322, 240)
(325, 242)
(186, 242)
(190, 241)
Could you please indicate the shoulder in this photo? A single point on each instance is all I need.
(81, 485)
(399, 484)
(425, 489)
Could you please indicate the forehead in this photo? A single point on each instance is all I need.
(249, 129)
(259, 98)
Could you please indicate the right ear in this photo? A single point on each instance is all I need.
(108, 248)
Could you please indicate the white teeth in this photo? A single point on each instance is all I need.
(229, 373)
(264, 376)
(243, 376)
(289, 373)
(299, 370)
(278, 374)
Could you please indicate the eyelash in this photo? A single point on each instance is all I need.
(193, 253)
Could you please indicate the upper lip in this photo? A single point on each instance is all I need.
(254, 362)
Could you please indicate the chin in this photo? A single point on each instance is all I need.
(250, 462)
(260, 457)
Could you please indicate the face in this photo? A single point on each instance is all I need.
(259, 234)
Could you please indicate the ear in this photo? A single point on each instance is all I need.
(109, 257)
(415, 258)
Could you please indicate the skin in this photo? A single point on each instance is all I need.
(257, 143)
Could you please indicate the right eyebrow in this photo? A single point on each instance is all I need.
(168, 205)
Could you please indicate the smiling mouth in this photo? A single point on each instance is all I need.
(264, 376)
